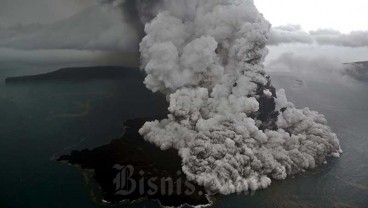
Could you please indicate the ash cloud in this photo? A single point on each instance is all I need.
(289, 34)
(295, 34)
(333, 37)
(232, 129)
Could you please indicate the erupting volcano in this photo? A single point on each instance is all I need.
(233, 131)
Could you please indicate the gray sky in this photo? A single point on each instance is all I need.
(342, 15)
(39, 11)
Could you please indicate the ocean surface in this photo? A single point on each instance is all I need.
(39, 121)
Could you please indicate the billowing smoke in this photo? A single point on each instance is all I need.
(233, 131)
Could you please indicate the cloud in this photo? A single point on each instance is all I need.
(119, 26)
(94, 28)
(289, 34)
(332, 37)
(13, 12)
(318, 67)
(295, 34)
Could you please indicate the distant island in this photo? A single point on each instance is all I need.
(156, 174)
(79, 73)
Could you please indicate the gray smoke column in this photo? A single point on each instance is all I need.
(233, 131)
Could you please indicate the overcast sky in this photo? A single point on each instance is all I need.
(342, 15)
(39, 11)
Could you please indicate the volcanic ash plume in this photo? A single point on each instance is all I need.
(231, 128)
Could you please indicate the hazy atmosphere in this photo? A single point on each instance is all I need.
(32, 31)
(184, 103)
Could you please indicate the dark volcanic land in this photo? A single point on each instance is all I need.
(148, 162)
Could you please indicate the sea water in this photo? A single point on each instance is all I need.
(39, 121)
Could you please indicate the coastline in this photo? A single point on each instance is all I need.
(132, 150)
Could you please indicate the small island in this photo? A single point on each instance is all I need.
(130, 169)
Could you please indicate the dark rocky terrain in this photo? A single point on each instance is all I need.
(151, 166)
